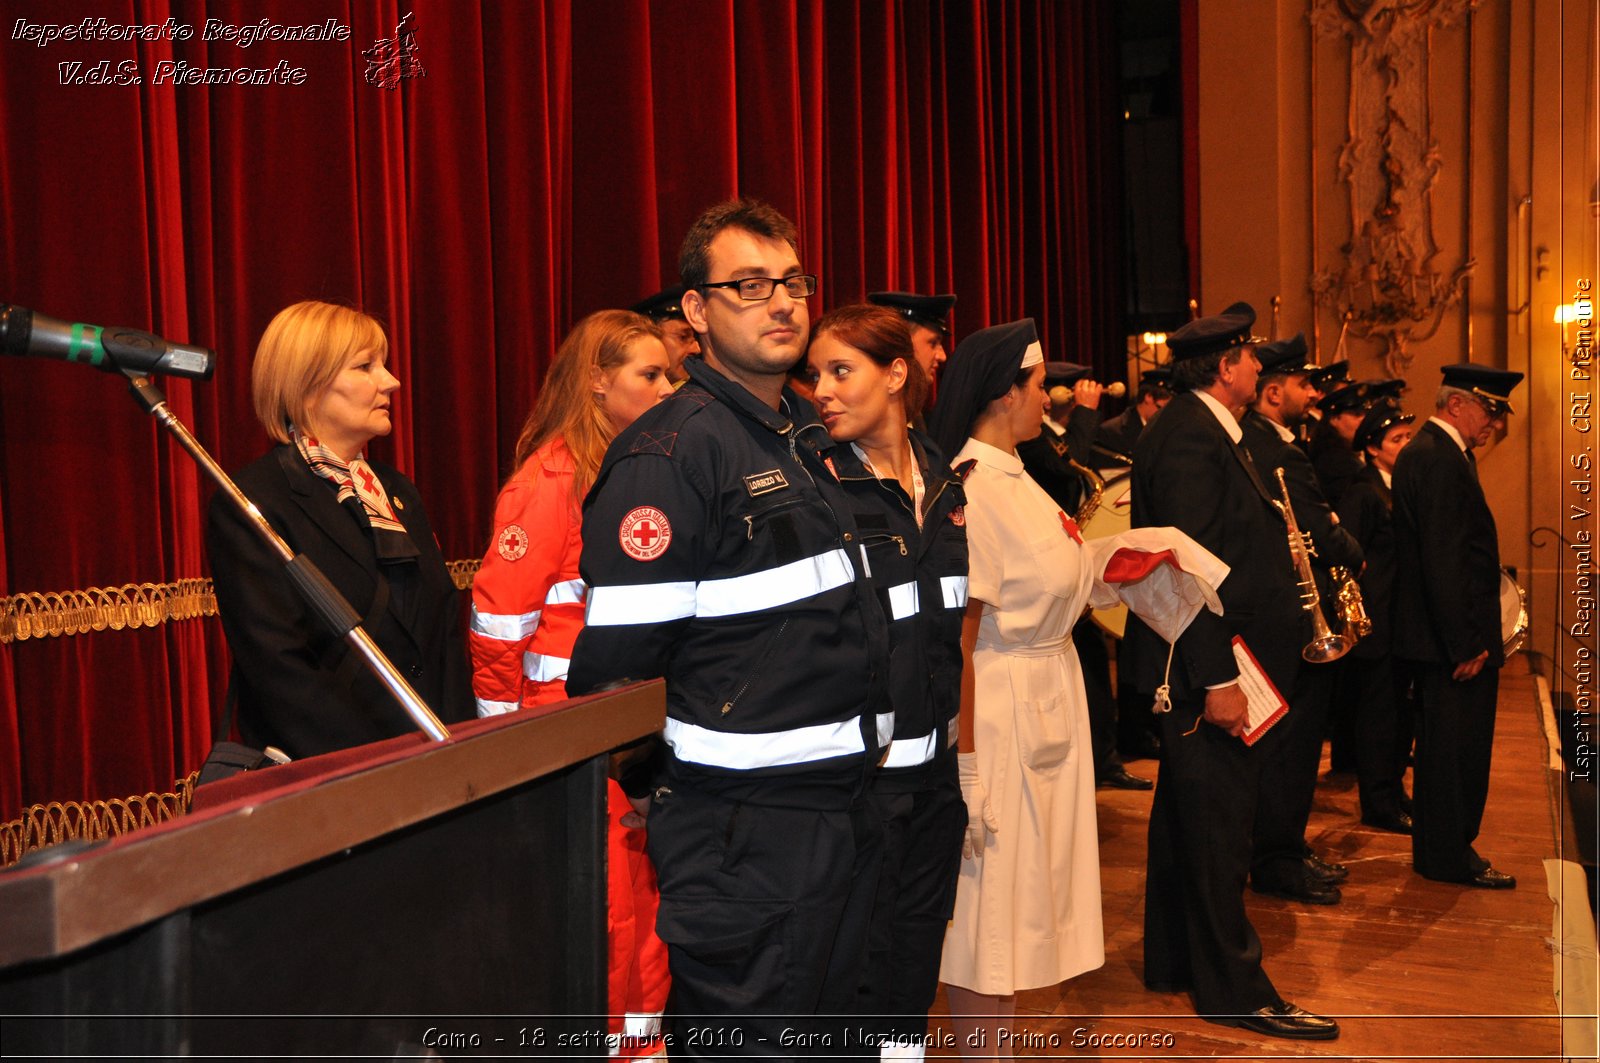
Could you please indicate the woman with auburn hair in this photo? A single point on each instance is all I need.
(913, 547)
(528, 602)
(322, 389)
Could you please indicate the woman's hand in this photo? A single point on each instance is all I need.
(980, 814)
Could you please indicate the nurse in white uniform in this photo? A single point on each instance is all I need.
(1028, 900)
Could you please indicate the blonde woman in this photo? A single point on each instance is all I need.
(322, 389)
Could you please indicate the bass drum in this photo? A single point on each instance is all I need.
(1513, 613)
(1113, 516)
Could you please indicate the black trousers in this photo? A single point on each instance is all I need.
(1383, 732)
(1196, 932)
(922, 832)
(765, 913)
(1095, 662)
(1450, 783)
(1290, 755)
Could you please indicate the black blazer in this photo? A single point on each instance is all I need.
(1188, 474)
(1367, 512)
(1120, 434)
(298, 687)
(1447, 577)
(1336, 464)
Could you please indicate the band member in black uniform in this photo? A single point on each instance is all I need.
(929, 318)
(1447, 619)
(1322, 380)
(665, 308)
(907, 507)
(1374, 686)
(1057, 459)
(716, 546)
(1118, 435)
(1332, 451)
(1190, 473)
(1284, 864)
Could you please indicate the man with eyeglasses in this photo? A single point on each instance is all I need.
(1447, 620)
(718, 550)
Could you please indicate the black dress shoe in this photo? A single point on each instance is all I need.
(1490, 879)
(1120, 779)
(1306, 890)
(1324, 872)
(1398, 822)
(1285, 1020)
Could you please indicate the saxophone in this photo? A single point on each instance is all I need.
(1097, 490)
(1352, 609)
(1324, 646)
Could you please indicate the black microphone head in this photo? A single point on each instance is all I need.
(16, 324)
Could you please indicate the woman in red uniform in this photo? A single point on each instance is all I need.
(528, 601)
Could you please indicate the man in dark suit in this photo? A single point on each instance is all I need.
(1190, 473)
(929, 319)
(1447, 619)
(1332, 455)
(1375, 687)
(1284, 864)
(1117, 436)
(665, 308)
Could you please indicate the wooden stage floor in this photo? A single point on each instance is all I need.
(1412, 969)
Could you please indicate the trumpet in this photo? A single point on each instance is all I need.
(1325, 645)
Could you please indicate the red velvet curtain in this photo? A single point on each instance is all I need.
(545, 165)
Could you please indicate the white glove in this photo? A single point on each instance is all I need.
(980, 814)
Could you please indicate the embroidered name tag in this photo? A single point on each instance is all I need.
(762, 483)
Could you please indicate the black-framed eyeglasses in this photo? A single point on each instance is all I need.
(760, 289)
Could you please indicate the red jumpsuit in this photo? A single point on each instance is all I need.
(527, 610)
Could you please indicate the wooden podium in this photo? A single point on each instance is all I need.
(407, 898)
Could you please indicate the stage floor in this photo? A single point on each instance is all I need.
(1411, 968)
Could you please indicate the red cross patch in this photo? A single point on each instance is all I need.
(958, 516)
(645, 533)
(1070, 526)
(512, 542)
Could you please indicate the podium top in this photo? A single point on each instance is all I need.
(263, 823)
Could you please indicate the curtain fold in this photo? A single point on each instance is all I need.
(542, 162)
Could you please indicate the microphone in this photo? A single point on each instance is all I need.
(24, 333)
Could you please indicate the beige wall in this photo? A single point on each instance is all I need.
(1510, 93)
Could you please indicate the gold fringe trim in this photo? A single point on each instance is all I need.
(33, 614)
(463, 572)
(61, 821)
(50, 614)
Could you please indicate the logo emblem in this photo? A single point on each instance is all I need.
(1070, 526)
(512, 542)
(958, 516)
(645, 533)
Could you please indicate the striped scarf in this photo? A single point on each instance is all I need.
(362, 491)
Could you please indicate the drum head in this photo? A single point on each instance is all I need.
(1513, 613)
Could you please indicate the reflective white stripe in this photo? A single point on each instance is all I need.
(885, 723)
(903, 601)
(640, 603)
(909, 752)
(542, 667)
(642, 1024)
(955, 591)
(774, 586)
(507, 627)
(496, 708)
(768, 749)
(567, 592)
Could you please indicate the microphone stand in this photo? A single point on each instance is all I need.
(321, 595)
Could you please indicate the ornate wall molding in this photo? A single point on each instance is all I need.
(1389, 283)
(51, 614)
